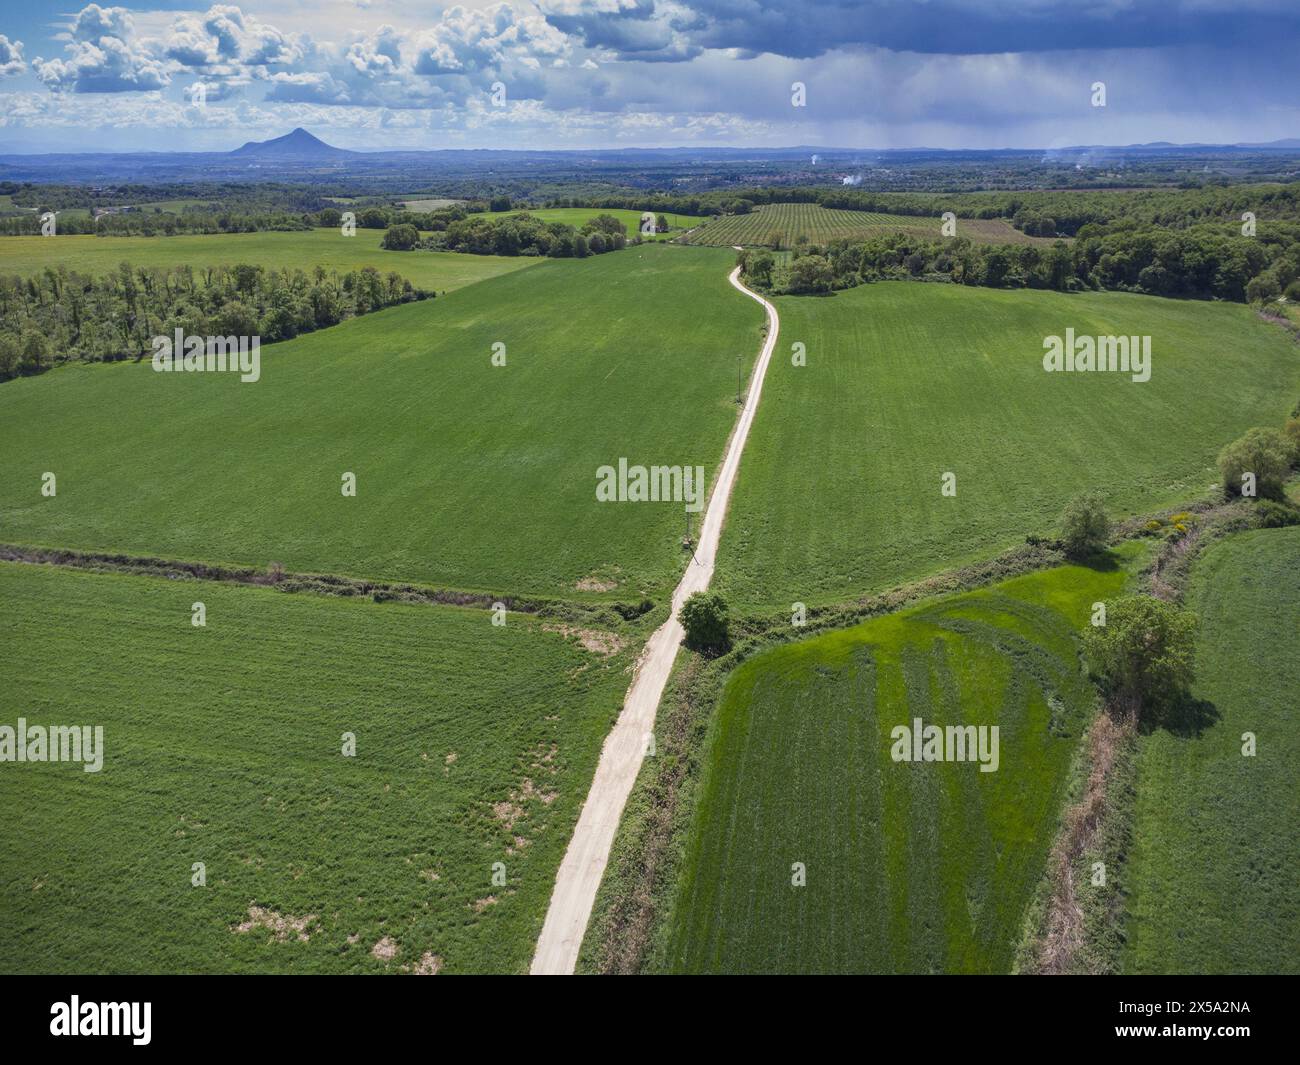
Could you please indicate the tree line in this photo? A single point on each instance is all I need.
(1206, 262)
(61, 316)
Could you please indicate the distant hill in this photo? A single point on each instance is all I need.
(296, 145)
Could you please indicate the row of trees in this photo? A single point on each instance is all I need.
(150, 223)
(1206, 262)
(58, 315)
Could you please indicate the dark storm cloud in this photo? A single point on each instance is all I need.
(962, 27)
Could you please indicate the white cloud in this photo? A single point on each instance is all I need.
(11, 58)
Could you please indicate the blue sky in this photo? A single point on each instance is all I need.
(609, 73)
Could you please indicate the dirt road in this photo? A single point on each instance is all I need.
(620, 760)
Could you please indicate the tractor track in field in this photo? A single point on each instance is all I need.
(580, 873)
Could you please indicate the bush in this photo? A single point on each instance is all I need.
(1143, 656)
(1291, 433)
(1084, 526)
(704, 616)
(1263, 452)
(1275, 515)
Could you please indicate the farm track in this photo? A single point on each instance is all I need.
(580, 873)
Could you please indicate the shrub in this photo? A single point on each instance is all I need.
(1143, 656)
(1291, 433)
(704, 616)
(1275, 515)
(1084, 526)
(1263, 452)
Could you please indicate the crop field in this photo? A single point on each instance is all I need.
(784, 223)
(1212, 881)
(468, 475)
(436, 271)
(910, 867)
(840, 493)
(580, 216)
(223, 745)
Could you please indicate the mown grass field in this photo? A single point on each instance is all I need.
(436, 271)
(425, 204)
(911, 867)
(1212, 886)
(840, 491)
(469, 475)
(475, 744)
(580, 216)
(785, 223)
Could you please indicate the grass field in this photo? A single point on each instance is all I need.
(223, 745)
(579, 216)
(840, 492)
(469, 475)
(1212, 870)
(426, 204)
(911, 867)
(785, 223)
(438, 271)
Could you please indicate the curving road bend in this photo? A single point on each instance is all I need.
(584, 862)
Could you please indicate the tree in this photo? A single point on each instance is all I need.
(704, 616)
(401, 237)
(1143, 657)
(9, 356)
(811, 273)
(1085, 528)
(757, 267)
(499, 204)
(1265, 453)
(34, 350)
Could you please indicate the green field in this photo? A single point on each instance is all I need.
(911, 867)
(580, 216)
(475, 744)
(840, 491)
(469, 475)
(785, 223)
(1212, 886)
(426, 204)
(438, 271)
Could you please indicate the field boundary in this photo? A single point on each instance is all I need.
(329, 584)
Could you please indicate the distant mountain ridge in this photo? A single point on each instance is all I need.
(298, 144)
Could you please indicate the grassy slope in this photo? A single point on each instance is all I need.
(1212, 870)
(911, 868)
(223, 746)
(438, 271)
(469, 475)
(840, 489)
